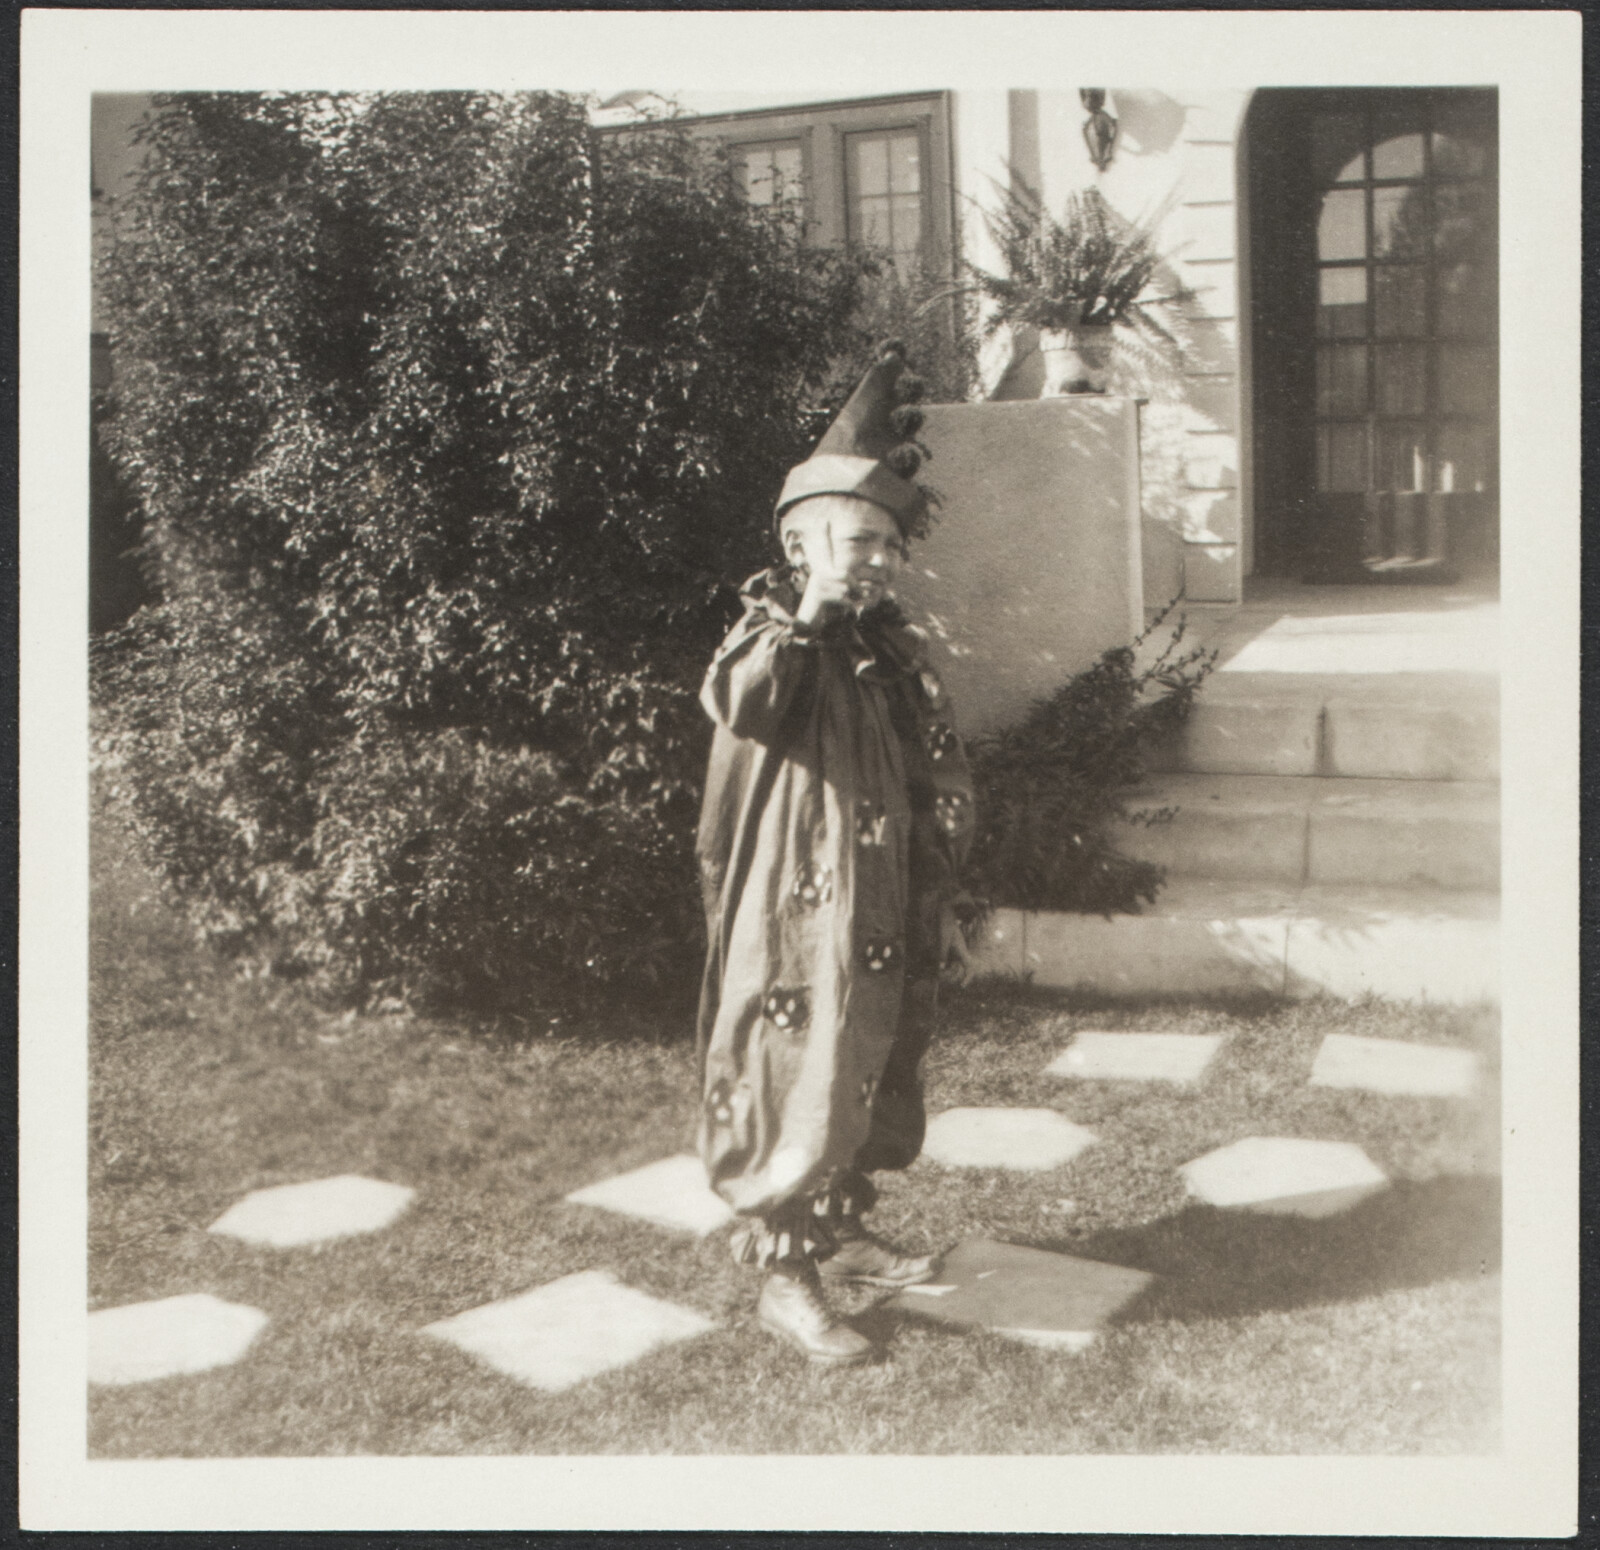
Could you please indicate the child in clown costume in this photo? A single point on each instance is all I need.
(838, 810)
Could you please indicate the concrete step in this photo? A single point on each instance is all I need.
(1322, 830)
(1396, 726)
(1213, 938)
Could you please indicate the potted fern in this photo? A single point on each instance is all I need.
(1076, 280)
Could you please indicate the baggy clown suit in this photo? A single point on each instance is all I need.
(837, 813)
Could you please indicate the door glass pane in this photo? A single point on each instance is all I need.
(1341, 379)
(1336, 155)
(905, 173)
(1463, 461)
(1398, 122)
(1466, 301)
(1402, 379)
(1401, 301)
(1466, 379)
(1454, 157)
(1342, 303)
(1464, 222)
(1402, 457)
(871, 169)
(1400, 222)
(1463, 135)
(1342, 230)
(1341, 458)
(1399, 157)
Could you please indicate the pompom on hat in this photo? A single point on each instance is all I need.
(870, 450)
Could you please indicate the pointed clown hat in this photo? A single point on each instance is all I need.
(870, 451)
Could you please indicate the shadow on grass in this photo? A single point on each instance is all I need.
(963, 1006)
(1225, 1264)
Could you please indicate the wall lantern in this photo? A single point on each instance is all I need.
(1100, 128)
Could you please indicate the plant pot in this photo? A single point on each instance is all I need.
(1076, 360)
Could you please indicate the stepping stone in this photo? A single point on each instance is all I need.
(1394, 1066)
(173, 1335)
(1137, 1057)
(290, 1215)
(568, 1330)
(1056, 1301)
(1285, 1177)
(671, 1193)
(1033, 1139)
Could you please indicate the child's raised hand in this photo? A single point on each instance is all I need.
(826, 597)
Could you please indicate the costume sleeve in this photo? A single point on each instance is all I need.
(756, 674)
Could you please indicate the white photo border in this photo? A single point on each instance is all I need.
(1533, 57)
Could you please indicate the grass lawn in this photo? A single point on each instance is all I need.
(1372, 1332)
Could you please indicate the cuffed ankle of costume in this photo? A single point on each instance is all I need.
(797, 1233)
(849, 1194)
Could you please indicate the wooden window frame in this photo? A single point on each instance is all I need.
(821, 129)
(925, 236)
(805, 158)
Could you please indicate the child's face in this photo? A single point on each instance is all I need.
(849, 540)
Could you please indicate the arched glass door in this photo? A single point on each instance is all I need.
(1384, 295)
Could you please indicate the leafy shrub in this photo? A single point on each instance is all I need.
(1052, 789)
(116, 587)
(903, 299)
(453, 425)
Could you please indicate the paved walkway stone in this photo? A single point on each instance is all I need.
(1033, 1139)
(290, 1215)
(1395, 1067)
(1458, 640)
(192, 1333)
(1138, 1057)
(1284, 1176)
(568, 1330)
(671, 1193)
(1056, 1301)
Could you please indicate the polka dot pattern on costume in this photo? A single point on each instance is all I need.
(872, 824)
(952, 809)
(813, 885)
(788, 1008)
(942, 742)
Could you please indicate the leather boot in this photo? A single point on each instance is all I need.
(792, 1307)
(869, 1261)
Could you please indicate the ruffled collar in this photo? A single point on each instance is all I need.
(883, 644)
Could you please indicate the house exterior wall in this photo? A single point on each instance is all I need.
(1178, 153)
(1177, 156)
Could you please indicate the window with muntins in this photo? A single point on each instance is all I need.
(874, 170)
(772, 171)
(884, 182)
(1405, 301)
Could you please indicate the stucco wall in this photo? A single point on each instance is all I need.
(1177, 155)
(1033, 567)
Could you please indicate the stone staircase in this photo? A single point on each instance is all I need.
(1334, 813)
